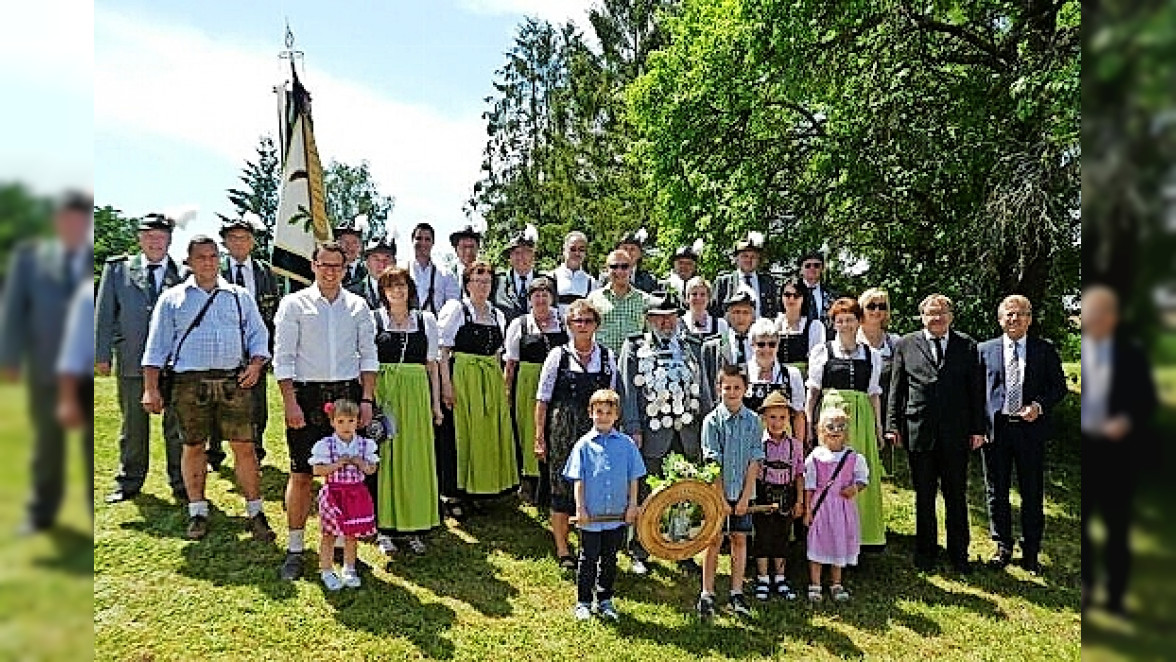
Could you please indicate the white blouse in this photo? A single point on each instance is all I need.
(819, 356)
(514, 332)
(889, 341)
(320, 453)
(816, 332)
(451, 319)
(550, 371)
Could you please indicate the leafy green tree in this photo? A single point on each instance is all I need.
(22, 215)
(351, 191)
(114, 234)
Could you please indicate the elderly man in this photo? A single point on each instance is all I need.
(684, 266)
(257, 277)
(622, 307)
(378, 255)
(127, 293)
(663, 400)
(732, 347)
(1118, 402)
(465, 243)
(42, 278)
(434, 287)
(571, 281)
(748, 254)
(937, 409)
(324, 349)
(510, 288)
(1023, 383)
(818, 295)
(210, 333)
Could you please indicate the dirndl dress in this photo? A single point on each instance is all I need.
(833, 537)
(568, 420)
(344, 503)
(534, 346)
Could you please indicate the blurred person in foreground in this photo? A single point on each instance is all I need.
(75, 376)
(42, 278)
(1118, 401)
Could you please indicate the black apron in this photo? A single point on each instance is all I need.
(794, 347)
(846, 374)
(567, 414)
(757, 392)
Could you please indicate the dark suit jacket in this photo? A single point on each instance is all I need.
(505, 296)
(361, 289)
(1044, 382)
(819, 310)
(1133, 389)
(730, 281)
(35, 307)
(930, 405)
(268, 291)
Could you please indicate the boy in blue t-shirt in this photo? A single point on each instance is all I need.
(732, 436)
(604, 467)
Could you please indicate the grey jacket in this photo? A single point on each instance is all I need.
(123, 310)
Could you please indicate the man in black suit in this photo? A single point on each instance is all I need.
(257, 276)
(378, 255)
(1118, 401)
(509, 293)
(937, 409)
(748, 253)
(1023, 383)
(817, 294)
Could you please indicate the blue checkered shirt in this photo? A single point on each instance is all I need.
(216, 343)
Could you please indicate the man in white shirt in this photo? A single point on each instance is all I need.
(434, 287)
(324, 350)
(571, 281)
(820, 298)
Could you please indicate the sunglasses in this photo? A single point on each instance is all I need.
(767, 343)
(877, 306)
(813, 265)
(581, 320)
(836, 427)
(791, 295)
(619, 267)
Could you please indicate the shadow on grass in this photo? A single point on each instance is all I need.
(75, 552)
(462, 570)
(384, 609)
(224, 557)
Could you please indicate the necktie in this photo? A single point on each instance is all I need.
(747, 279)
(151, 271)
(938, 351)
(70, 273)
(239, 279)
(1013, 395)
(523, 288)
(741, 352)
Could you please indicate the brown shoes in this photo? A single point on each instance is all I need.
(197, 527)
(260, 528)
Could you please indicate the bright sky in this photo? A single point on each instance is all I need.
(182, 91)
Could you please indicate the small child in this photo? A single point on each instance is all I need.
(833, 476)
(732, 435)
(781, 485)
(604, 467)
(345, 505)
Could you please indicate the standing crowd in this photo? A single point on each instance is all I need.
(419, 393)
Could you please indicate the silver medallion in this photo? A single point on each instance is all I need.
(678, 408)
(639, 380)
(654, 424)
(687, 418)
(666, 408)
(667, 422)
(678, 425)
(652, 409)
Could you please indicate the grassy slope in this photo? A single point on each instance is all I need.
(490, 590)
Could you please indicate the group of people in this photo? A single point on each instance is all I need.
(490, 384)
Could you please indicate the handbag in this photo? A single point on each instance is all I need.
(167, 374)
(382, 426)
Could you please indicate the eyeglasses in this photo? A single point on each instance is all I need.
(578, 249)
(330, 266)
(813, 265)
(791, 295)
(877, 306)
(835, 427)
(619, 267)
(582, 320)
(480, 281)
(767, 343)
(1017, 313)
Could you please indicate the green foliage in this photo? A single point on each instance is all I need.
(114, 234)
(928, 150)
(23, 215)
(351, 191)
(676, 467)
(261, 179)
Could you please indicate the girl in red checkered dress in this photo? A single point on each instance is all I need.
(345, 505)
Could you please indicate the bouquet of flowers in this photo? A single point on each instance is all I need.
(676, 468)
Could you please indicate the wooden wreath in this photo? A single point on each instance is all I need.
(652, 511)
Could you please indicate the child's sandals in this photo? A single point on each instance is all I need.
(814, 593)
(838, 593)
(785, 591)
(763, 590)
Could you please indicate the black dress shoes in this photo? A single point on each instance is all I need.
(1001, 559)
(120, 495)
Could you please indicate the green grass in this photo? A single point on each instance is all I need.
(45, 581)
(490, 589)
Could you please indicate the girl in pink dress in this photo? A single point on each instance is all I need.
(345, 505)
(833, 476)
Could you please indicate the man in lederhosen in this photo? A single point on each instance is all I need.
(663, 401)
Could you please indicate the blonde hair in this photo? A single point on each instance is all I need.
(827, 415)
(877, 293)
(344, 407)
(698, 281)
(605, 396)
(1014, 298)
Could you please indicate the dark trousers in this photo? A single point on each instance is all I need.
(48, 461)
(1108, 487)
(1019, 445)
(134, 440)
(216, 450)
(598, 563)
(946, 469)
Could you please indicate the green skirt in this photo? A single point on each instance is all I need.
(526, 386)
(482, 428)
(863, 438)
(406, 495)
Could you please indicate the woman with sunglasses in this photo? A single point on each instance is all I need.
(478, 457)
(798, 333)
(846, 374)
(873, 332)
(570, 375)
(529, 339)
(765, 374)
(698, 321)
